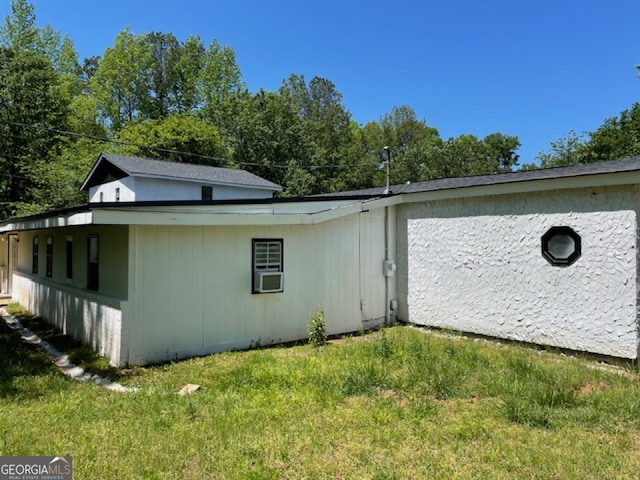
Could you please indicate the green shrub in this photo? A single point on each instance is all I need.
(317, 331)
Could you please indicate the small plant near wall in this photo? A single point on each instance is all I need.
(317, 331)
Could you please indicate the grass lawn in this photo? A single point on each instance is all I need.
(392, 404)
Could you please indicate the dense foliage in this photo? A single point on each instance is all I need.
(617, 137)
(154, 95)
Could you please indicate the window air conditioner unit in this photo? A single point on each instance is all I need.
(268, 282)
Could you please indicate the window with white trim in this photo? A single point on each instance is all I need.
(267, 265)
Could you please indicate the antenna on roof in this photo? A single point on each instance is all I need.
(387, 150)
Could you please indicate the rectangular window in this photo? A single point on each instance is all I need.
(207, 192)
(49, 252)
(69, 257)
(34, 254)
(117, 194)
(267, 265)
(93, 262)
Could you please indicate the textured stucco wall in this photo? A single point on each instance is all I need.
(475, 265)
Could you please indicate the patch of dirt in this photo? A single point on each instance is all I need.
(591, 388)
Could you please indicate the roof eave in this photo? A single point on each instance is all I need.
(527, 186)
(41, 222)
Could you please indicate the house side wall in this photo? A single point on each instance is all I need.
(154, 189)
(126, 185)
(4, 266)
(475, 265)
(92, 317)
(190, 287)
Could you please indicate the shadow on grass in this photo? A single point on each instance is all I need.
(20, 364)
(80, 355)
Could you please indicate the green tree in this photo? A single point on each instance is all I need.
(567, 150)
(62, 177)
(164, 138)
(617, 137)
(123, 81)
(166, 53)
(501, 153)
(326, 126)
(21, 34)
(28, 106)
(220, 88)
(409, 140)
(269, 132)
(186, 91)
(19, 31)
(41, 94)
(361, 160)
(418, 152)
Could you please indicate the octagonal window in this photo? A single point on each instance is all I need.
(561, 246)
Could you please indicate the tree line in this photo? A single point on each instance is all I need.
(154, 95)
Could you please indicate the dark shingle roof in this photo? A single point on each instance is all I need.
(629, 164)
(137, 166)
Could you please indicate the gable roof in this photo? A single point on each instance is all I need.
(110, 167)
(630, 164)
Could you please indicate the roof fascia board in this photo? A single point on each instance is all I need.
(147, 217)
(77, 219)
(268, 216)
(566, 183)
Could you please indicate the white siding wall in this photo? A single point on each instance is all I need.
(154, 189)
(127, 188)
(191, 286)
(475, 265)
(90, 318)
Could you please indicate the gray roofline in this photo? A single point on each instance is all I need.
(584, 175)
(629, 164)
(154, 168)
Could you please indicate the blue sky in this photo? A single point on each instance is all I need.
(531, 69)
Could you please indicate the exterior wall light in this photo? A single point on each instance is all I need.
(561, 246)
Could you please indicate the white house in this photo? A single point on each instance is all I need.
(545, 256)
(119, 178)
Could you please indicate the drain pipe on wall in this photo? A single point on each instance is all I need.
(387, 313)
(389, 267)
